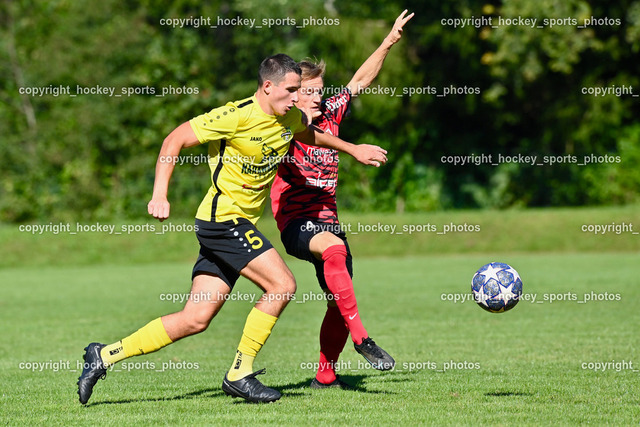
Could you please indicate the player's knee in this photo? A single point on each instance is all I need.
(281, 283)
(323, 241)
(332, 240)
(289, 285)
(198, 321)
(284, 282)
(337, 248)
(199, 325)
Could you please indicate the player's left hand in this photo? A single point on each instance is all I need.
(396, 32)
(371, 155)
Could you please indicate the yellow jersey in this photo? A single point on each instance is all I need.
(245, 148)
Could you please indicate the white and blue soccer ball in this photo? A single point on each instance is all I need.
(496, 287)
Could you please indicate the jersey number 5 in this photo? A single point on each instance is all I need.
(255, 241)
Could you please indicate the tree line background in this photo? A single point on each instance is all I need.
(93, 156)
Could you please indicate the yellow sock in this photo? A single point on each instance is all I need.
(241, 367)
(256, 331)
(149, 338)
(113, 353)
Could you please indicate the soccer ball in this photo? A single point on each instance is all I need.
(496, 287)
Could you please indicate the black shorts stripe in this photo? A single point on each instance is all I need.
(214, 178)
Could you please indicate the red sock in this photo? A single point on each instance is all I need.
(333, 336)
(339, 283)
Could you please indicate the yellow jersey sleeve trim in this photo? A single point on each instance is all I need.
(219, 123)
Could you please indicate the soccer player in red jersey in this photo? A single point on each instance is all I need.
(304, 205)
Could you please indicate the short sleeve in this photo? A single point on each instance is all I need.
(219, 123)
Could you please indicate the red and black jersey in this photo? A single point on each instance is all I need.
(305, 185)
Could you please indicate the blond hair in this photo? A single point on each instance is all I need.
(312, 68)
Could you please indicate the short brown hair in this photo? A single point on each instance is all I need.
(275, 67)
(312, 68)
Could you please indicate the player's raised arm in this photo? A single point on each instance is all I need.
(181, 137)
(367, 154)
(371, 67)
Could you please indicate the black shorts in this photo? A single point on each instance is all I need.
(227, 247)
(297, 235)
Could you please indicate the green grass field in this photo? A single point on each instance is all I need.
(563, 362)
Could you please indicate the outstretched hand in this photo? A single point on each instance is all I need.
(370, 155)
(396, 32)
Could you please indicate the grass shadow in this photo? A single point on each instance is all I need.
(288, 390)
(355, 381)
(507, 393)
(210, 392)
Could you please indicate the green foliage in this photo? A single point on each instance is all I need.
(618, 178)
(93, 156)
(539, 92)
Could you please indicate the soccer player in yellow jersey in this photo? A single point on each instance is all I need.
(247, 139)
